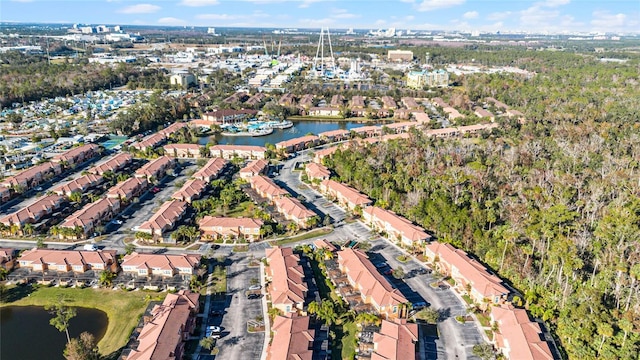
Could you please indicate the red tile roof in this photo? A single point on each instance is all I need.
(315, 171)
(475, 273)
(165, 218)
(368, 280)
(28, 175)
(287, 277)
(81, 184)
(34, 212)
(172, 128)
(159, 261)
(266, 186)
(191, 190)
(155, 167)
(297, 141)
(395, 340)
(112, 164)
(254, 168)
(91, 214)
(211, 169)
(390, 221)
(150, 141)
(75, 153)
(519, 337)
(292, 207)
(291, 339)
(160, 337)
(127, 188)
(87, 259)
(351, 195)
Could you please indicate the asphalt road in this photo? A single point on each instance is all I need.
(236, 342)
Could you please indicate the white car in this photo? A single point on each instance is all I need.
(117, 222)
(255, 287)
(135, 228)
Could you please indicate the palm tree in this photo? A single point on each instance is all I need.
(27, 229)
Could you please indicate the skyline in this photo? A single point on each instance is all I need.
(553, 16)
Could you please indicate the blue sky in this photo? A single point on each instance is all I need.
(483, 15)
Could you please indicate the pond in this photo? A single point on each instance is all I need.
(25, 332)
(300, 128)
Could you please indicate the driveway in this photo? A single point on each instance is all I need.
(236, 342)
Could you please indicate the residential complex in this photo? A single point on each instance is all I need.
(287, 288)
(230, 228)
(292, 339)
(163, 265)
(68, 260)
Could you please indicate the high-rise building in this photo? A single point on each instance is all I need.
(421, 79)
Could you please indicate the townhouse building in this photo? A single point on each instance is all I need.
(374, 288)
(79, 185)
(211, 170)
(254, 168)
(92, 215)
(249, 152)
(298, 144)
(165, 334)
(191, 190)
(287, 288)
(128, 189)
(396, 339)
(292, 339)
(230, 228)
(469, 275)
(395, 226)
(315, 171)
(112, 164)
(155, 169)
(77, 261)
(516, 336)
(165, 219)
(35, 212)
(77, 155)
(164, 265)
(346, 196)
(192, 151)
(293, 210)
(266, 188)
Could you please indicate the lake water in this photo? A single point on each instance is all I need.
(25, 332)
(300, 128)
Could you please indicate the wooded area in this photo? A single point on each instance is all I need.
(551, 205)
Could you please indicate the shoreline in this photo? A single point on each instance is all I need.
(338, 119)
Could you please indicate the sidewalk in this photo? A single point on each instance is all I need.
(205, 317)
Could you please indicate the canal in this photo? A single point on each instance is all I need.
(300, 128)
(25, 332)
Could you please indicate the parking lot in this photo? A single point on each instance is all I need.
(234, 311)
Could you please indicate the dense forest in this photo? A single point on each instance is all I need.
(551, 205)
(28, 78)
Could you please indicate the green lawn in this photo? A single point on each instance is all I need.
(123, 308)
(349, 343)
(308, 235)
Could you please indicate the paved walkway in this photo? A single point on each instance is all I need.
(205, 317)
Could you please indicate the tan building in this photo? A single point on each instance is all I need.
(150, 142)
(517, 337)
(165, 219)
(254, 168)
(395, 226)
(35, 212)
(293, 210)
(77, 155)
(166, 331)
(374, 288)
(400, 55)
(287, 288)
(470, 276)
(266, 188)
(315, 171)
(191, 190)
(335, 135)
(79, 185)
(156, 169)
(230, 228)
(346, 196)
(68, 260)
(182, 80)
(30, 178)
(92, 215)
(112, 164)
(249, 152)
(211, 170)
(396, 339)
(165, 265)
(183, 150)
(298, 144)
(128, 189)
(292, 339)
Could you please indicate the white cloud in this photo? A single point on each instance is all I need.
(499, 15)
(409, 17)
(554, 3)
(342, 14)
(306, 3)
(470, 15)
(171, 21)
(317, 22)
(606, 21)
(430, 5)
(140, 9)
(536, 17)
(232, 17)
(196, 3)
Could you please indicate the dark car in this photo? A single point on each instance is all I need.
(254, 296)
(388, 272)
(216, 313)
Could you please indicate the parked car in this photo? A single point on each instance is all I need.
(388, 272)
(216, 313)
(255, 287)
(419, 305)
(254, 296)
